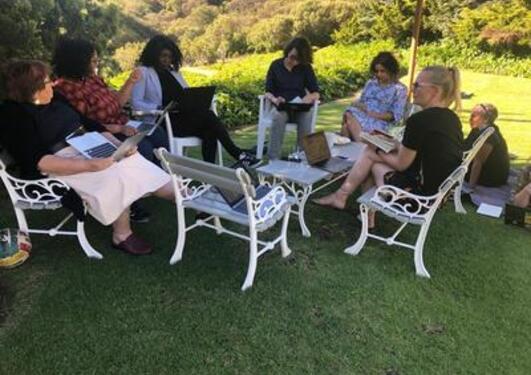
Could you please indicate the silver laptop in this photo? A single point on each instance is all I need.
(95, 145)
(148, 125)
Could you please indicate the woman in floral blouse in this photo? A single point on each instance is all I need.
(382, 101)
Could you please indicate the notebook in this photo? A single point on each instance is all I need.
(195, 99)
(318, 154)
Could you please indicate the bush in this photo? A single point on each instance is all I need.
(341, 70)
(496, 26)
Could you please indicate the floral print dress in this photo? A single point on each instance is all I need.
(380, 98)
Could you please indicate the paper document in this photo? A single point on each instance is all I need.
(296, 99)
(382, 142)
(489, 210)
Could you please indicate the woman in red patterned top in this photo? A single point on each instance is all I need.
(75, 64)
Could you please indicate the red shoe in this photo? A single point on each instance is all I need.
(134, 245)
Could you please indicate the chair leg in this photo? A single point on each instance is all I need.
(356, 248)
(260, 141)
(419, 248)
(457, 200)
(181, 236)
(253, 258)
(220, 154)
(85, 245)
(218, 225)
(285, 250)
(21, 220)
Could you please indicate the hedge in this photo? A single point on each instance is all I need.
(341, 70)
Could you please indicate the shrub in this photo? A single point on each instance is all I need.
(341, 70)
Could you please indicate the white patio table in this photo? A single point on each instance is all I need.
(302, 180)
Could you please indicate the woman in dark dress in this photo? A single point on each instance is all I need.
(33, 130)
(161, 82)
(430, 150)
(490, 167)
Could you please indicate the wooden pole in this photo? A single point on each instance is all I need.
(413, 47)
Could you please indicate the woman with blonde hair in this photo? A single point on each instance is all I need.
(490, 167)
(430, 150)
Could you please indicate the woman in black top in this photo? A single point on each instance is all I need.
(430, 150)
(161, 82)
(34, 129)
(490, 167)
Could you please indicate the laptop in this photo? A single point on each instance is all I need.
(195, 99)
(148, 125)
(95, 145)
(318, 154)
(236, 200)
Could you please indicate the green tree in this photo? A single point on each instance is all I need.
(496, 26)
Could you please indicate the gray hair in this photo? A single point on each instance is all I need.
(489, 112)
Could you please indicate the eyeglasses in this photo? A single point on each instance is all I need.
(416, 85)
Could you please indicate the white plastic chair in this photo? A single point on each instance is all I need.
(264, 123)
(178, 145)
(42, 194)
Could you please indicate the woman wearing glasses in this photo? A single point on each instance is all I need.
(382, 100)
(430, 150)
(289, 77)
(34, 131)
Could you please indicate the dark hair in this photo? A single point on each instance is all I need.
(23, 78)
(71, 58)
(388, 61)
(151, 52)
(303, 48)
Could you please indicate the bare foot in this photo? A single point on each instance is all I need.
(330, 200)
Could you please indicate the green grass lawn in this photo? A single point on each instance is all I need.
(320, 311)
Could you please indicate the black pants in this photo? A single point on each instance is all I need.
(206, 126)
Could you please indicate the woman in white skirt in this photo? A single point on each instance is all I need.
(33, 128)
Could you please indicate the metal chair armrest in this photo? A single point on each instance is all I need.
(401, 202)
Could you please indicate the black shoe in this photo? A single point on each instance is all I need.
(249, 160)
(138, 214)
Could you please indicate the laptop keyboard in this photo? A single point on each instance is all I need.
(102, 151)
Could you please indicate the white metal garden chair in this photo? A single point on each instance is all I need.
(178, 145)
(264, 123)
(406, 208)
(468, 156)
(42, 194)
(195, 183)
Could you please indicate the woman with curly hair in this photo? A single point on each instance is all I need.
(161, 82)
